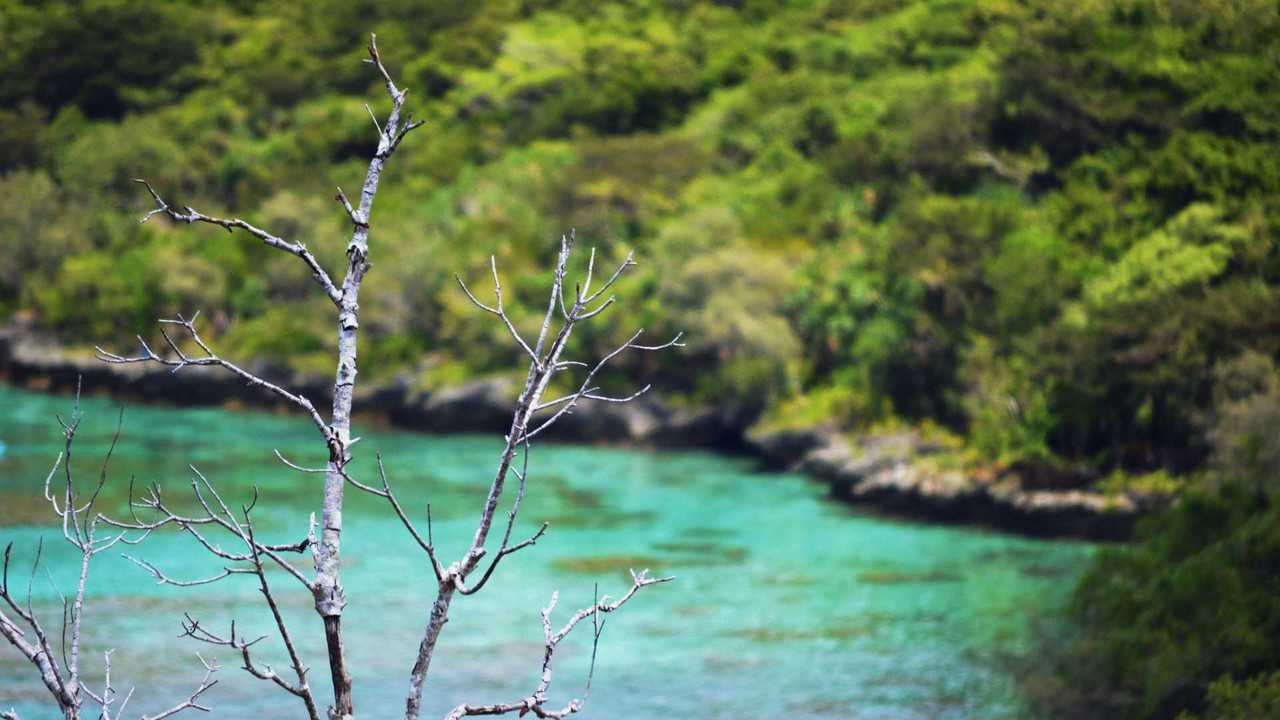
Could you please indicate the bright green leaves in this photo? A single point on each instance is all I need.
(1191, 250)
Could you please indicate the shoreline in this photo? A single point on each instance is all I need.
(893, 474)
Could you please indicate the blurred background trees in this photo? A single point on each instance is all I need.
(1037, 225)
(1043, 228)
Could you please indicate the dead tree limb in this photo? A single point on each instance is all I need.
(62, 674)
(545, 362)
(218, 516)
(535, 702)
(181, 359)
(326, 586)
(465, 576)
(190, 215)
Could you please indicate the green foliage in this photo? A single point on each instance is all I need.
(105, 57)
(1043, 230)
(1038, 225)
(1193, 248)
(1010, 413)
(1154, 624)
(1153, 484)
(1254, 697)
(1246, 415)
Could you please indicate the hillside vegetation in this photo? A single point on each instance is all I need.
(1044, 229)
(1038, 225)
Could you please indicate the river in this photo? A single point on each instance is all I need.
(786, 604)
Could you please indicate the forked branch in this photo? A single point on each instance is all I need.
(545, 363)
(19, 624)
(190, 215)
(181, 358)
(536, 701)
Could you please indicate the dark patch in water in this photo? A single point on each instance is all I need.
(788, 579)
(730, 663)
(694, 610)
(24, 508)
(601, 519)
(600, 564)
(848, 632)
(688, 546)
(770, 635)
(897, 577)
(1041, 570)
(710, 532)
(824, 706)
(574, 497)
(871, 618)
(703, 554)
(675, 478)
(853, 630)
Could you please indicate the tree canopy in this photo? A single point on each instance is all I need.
(1039, 225)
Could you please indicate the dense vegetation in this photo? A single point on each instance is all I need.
(1043, 227)
(1183, 624)
(1036, 224)
(1171, 624)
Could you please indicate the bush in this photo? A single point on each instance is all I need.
(1255, 697)
(1152, 626)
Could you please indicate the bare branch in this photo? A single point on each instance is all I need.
(341, 197)
(190, 215)
(546, 362)
(535, 702)
(330, 599)
(193, 629)
(162, 579)
(299, 468)
(181, 359)
(505, 550)
(192, 701)
(585, 390)
(427, 546)
(497, 291)
(374, 118)
(627, 263)
(303, 690)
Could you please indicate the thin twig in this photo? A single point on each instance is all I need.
(190, 215)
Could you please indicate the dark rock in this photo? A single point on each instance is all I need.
(480, 406)
(784, 449)
(890, 472)
(894, 474)
(699, 427)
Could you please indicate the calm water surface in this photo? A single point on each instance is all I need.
(786, 604)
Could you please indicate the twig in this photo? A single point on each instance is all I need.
(190, 215)
(181, 359)
(545, 355)
(535, 702)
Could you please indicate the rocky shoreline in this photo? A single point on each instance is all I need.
(895, 474)
(903, 475)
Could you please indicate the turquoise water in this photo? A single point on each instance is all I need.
(786, 604)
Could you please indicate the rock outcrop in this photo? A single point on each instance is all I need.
(482, 406)
(893, 473)
(901, 475)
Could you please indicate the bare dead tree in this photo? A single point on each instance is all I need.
(62, 674)
(546, 361)
(326, 585)
(184, 346)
